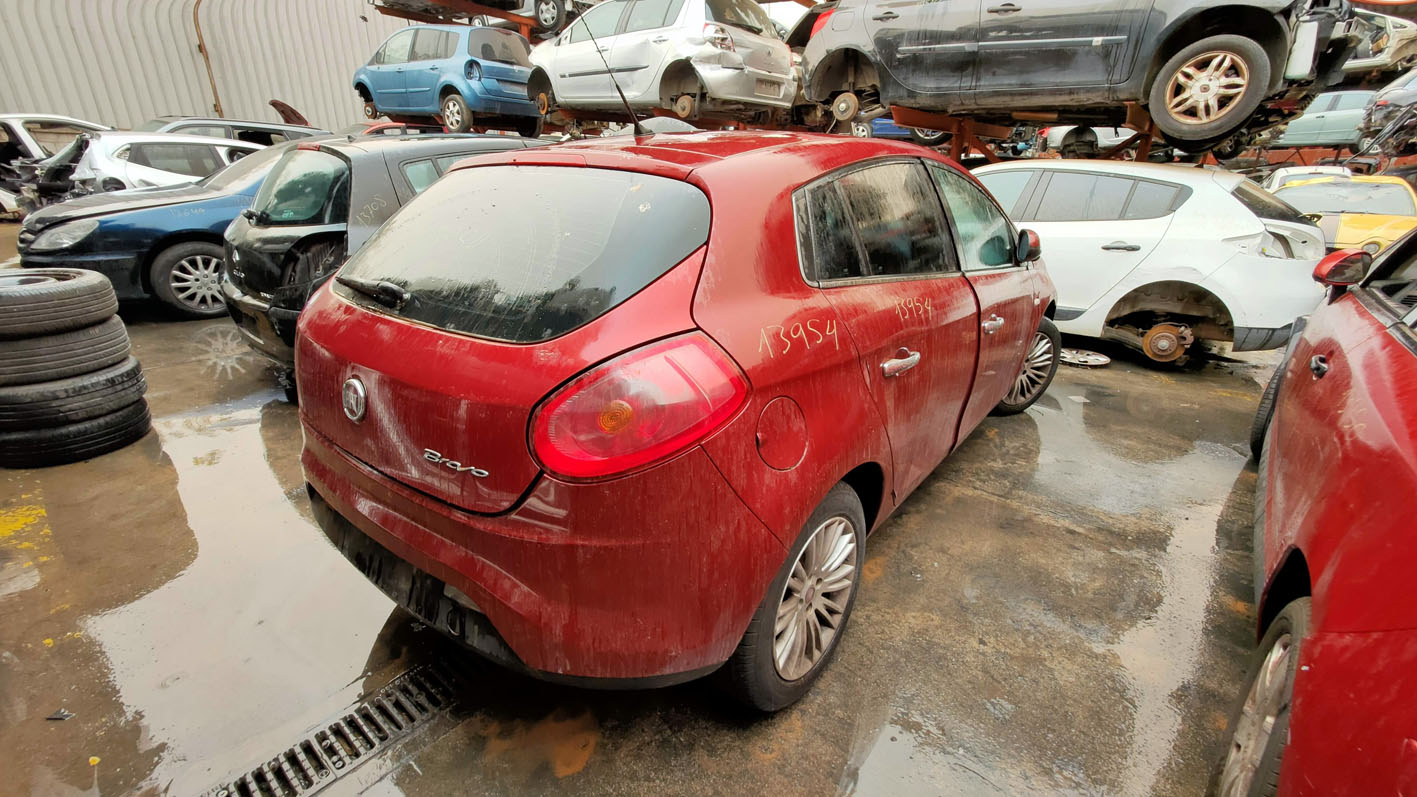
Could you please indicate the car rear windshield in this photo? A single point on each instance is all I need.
(1266, 205)
(528, 253)
(490, 44)
(1338, 196)
(304, 187)
(745, 14)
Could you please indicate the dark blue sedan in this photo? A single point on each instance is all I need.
(154, 242)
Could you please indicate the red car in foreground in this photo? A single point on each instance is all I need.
(1330, 706)
(622, 411)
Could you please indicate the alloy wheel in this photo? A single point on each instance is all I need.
(1207, 87)
(1256, 721)
(196, 282)
(1034, 374)
(452, 114)
(814, 599)
(861, 129)
(546, 12)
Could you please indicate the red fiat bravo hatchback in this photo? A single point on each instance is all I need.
(622, 411)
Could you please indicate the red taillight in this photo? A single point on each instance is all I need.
(718, 36)
(638, 408)
(1383, 102)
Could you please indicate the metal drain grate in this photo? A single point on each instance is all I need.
(404, 704)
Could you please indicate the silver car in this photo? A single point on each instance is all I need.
(717, 58)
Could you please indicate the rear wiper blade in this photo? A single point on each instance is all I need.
(381, 291)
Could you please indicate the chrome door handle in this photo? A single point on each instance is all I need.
(659, 39)
(1006, 8)
(905, 359)
(886, 17)
(1319, 365)
(1121, 246)
(994, 324)
(603, 49)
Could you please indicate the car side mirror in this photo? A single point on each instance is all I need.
(249, 215)
(1343, 268)
(1314, 218)
(1029, 248)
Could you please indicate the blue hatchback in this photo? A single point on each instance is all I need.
(469, 76)
(163, 242)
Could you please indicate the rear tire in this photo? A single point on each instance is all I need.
(456, 117)
(753, 675)
(928, 138)
(1252, 759)
(46, 301)
(1215, 115)
(187, 278)
(50, 357)
(1259, 427)
(76, 441)
(529, 126)
(550, 15)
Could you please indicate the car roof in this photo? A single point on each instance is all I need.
(423, 143)
(220, 121)
(131, 137)
(48, 117)
(736, 155)
(1174, 173)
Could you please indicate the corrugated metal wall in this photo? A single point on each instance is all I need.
(122, 62)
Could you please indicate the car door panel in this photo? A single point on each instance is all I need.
(911, 317)
(646, 43)
(424, 70)
(928, 46)
(1025, 45)
(389, 76)
(579, 70)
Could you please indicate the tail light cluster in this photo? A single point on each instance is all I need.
(474, 71)
(718, 36)
(637, 409)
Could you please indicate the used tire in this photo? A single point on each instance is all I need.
(770, 669)
(44, 301)
(1040, 365)
(456, 117)
(76, 441)
(1259, 427)
(1259, 724)
(928, 138)
(49, 357)
(550, 15)
(187, 278)
(77, 398)
(529, 126)
(1208, 91)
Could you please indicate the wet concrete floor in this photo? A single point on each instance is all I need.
(1061, 608)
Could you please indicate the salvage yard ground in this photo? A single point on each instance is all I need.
(1064, 606)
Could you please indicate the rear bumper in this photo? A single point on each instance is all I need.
(727, 79)
(481, 100)
(645, 580)
(123, 269)
(1353, 726)
(269, 330)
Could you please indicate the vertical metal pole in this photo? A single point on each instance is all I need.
(202, 48)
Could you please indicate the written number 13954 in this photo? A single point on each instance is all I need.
(775, 339)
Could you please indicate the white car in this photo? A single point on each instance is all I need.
(114, 161)
(1289, 174)
(33, 136)
(710, 57)
(1085, 142)
(1160, 256)
(1388, 44)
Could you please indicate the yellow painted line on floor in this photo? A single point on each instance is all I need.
(17, 519)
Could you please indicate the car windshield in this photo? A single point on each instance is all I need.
(490, 44)
(1266, 205)
(305, 187)
(244, 172)
(745, 14)
(530, 266)
(1341, 196)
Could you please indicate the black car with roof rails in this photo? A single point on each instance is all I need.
(319, 204)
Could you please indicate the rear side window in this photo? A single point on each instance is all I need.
(1266, 205)
(1079, 196)
(420, 174)
(216, 131)
(1152, 200)
(305, 187)
(530, 266)
(193, 160)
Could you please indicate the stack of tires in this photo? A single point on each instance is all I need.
(69, 386)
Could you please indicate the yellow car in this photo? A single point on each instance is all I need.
(1365, 213)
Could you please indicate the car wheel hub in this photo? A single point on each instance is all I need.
(1256, 721)
(1207, 88)
(452, 114)
(815, 598)
(546, 13)
(1035, 370)
(1167, 342)
(196, 282)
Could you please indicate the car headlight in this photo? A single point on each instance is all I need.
(1372, 247)
(63, 236)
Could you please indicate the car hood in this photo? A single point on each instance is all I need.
(1355, 229)
(117, 202)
